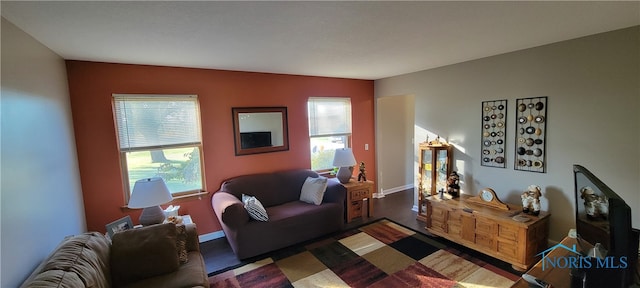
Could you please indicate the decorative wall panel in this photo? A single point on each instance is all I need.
(530, 144)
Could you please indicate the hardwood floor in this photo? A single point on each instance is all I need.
(396, 207)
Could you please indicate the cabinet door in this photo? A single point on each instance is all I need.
(454, 224)
(508, 240)
(443, 170)
(485, 233)
(426, 172)
(437, 216)
(468, 228)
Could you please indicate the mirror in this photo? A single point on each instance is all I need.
(260, 129)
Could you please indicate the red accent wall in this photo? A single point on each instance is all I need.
(92, 84)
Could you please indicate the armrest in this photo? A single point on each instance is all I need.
(193, 242)
(336, 193)
(229, 209)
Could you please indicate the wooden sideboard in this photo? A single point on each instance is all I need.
(488, 230)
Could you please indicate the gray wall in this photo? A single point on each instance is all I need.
(41, 195)
(593, 120)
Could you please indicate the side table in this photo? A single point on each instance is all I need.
(356, 193)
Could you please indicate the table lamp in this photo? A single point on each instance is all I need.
(345, 160)
(150, 193)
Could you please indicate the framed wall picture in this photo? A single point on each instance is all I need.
(531, 129)
(121, 224)
(494, 133)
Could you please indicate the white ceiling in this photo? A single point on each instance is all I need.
(361, 40)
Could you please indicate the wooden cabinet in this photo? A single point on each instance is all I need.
(434, 166)
(356, 193)
(489, 230)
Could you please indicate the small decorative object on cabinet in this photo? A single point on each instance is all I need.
(495, 232)
(494, 127)
(362, 176)
(433, 170)
(531, 121)
(531, 200)
(488, 197)
(453, 184)
(356, 192)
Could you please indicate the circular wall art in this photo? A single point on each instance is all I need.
(494, 115)
(531, 120)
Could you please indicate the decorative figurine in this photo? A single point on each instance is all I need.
(435, 142)
(453, 184)
(531, 200)
(362, 176)
(441, 193)
(596, 205)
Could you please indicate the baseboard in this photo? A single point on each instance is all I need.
(392, 190)
(211, 236)
(414, 208)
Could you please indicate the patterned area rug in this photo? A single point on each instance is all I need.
(381, 254)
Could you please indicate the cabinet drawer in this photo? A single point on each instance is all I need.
(438, 225)
(485, 241)
(455, 216)
(438, 213)
(508, 232)
(483, 226)
(359, 194)
(507, 248)
(454, 230)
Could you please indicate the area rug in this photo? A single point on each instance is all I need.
(380, 254)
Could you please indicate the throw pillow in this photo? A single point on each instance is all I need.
(255, 208)
(142, 253)
(313, 190)
(181, 243)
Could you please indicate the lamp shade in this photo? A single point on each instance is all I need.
(344, 158)
(149, 192)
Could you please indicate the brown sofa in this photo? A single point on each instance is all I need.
(290, 220)
(143, 257)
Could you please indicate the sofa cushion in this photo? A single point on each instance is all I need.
(255, 208)
(191, 274)
(313, 190)
(56, 278)
(144, 252)
(272, 189)
(79, 259)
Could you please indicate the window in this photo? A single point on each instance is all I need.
(160, 136)
(329, 129)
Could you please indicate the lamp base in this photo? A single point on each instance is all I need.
(152, 215)
(344, 174)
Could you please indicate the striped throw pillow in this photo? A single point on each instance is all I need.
(255, 208)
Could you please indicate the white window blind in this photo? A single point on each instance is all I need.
(329, 129)
(329, 116)
(156, 121)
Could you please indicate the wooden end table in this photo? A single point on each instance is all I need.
(356, 193)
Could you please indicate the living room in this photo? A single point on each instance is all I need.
(71, 152)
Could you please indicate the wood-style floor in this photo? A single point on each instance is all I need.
(396, 207)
